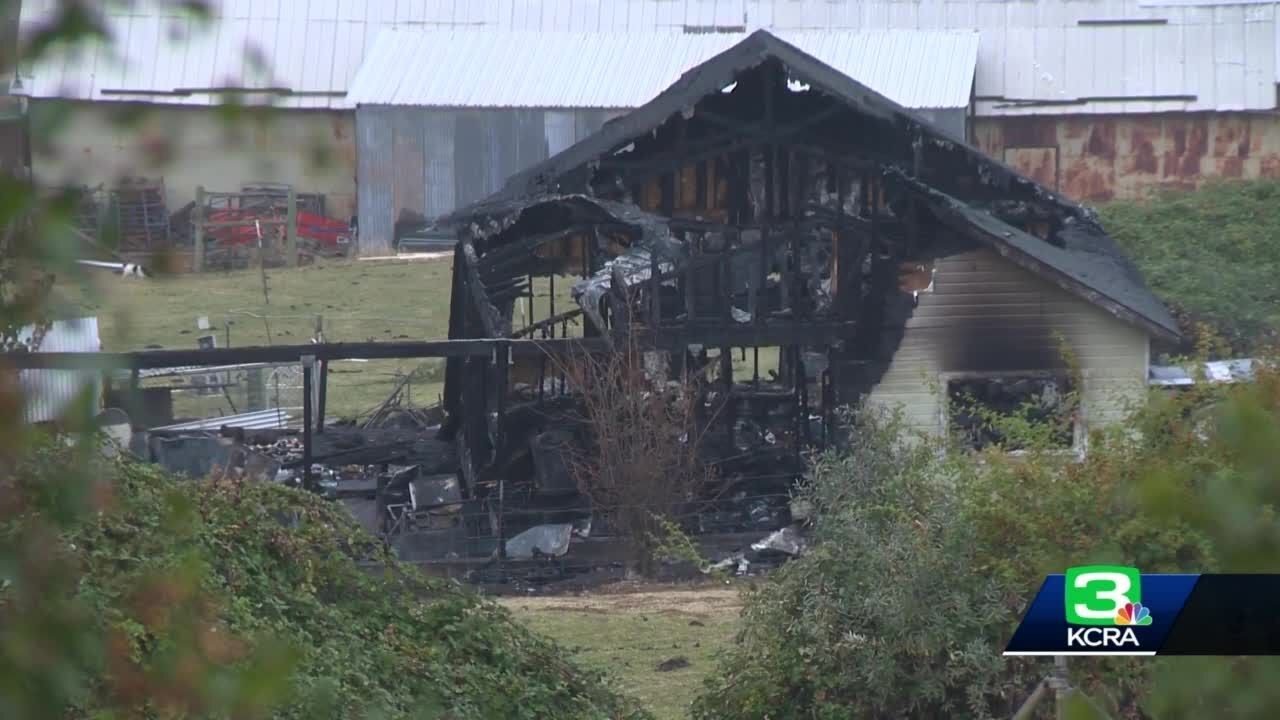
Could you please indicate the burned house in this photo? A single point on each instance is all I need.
(792, 242)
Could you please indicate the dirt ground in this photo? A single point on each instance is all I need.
(659, 643)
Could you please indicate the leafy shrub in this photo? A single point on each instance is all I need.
(885, 617)
(925, 559)
(218, 599)
(1211, 254)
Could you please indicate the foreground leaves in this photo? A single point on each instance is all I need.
(925, 559)
(175, 599)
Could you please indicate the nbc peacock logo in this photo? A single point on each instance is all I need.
(1133, 614)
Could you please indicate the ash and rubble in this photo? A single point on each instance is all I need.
(402, 484)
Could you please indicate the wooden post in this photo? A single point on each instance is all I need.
(655, 292)
(197, 221)
(1062, 689)
(502, 371)
(690, 302)
(256, 388)
(291, 229)
(323, 396)
(1029, 706)
(308, 364)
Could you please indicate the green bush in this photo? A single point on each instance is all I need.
(885, 617)
(1210, 254)
(228, 599)
(926, 557)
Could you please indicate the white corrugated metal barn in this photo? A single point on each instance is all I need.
(496, 102)
(1100, 98)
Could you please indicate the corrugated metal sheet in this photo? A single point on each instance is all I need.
(490, 68)
(1190, 58)
(180, 370)
(272, 419)
(450, 157)
(48, 394)
(1214, 372)
(1224, 53)
(375, 189)
(311, 47)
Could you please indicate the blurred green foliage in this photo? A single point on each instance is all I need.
(127, 593)
(152, 596)
(926, 556)
(1211, 255)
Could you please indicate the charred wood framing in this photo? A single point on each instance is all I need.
(482, 307)
(764, 202)
(308, 366)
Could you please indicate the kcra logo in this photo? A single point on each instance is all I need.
(1101, 637)
(1104, 602)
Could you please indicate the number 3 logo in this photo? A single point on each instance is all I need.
(1094, 594)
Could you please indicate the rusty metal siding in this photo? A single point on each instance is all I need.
(431, 161)
(438, 129)
(1100, 158)
(988, 315)
(561, 130)
(409, 165)
(375, 179)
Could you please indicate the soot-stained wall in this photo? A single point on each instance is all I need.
(986, 315)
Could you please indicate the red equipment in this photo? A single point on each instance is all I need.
(325, 232)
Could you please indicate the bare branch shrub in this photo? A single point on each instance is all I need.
(638, 463)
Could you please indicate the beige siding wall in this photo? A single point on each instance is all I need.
(986, 314)
(87, 144)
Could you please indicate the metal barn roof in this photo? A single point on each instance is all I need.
(1044, 57)
(488, 68)
(311, 48)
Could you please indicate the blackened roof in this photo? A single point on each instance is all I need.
(1089, 263)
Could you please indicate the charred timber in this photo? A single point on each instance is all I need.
(484, 308)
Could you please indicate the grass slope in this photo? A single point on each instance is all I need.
(628, 634)
(358, 301)
(258, 562)
(1213, 255)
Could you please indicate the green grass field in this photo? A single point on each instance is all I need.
(353, 300)
(629, 633)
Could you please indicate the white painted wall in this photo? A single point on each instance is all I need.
(984, 304)
(82, 143)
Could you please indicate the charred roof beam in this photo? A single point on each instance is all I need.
(487, 313)
(737, 136)
(517, 255)
(761, 131)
